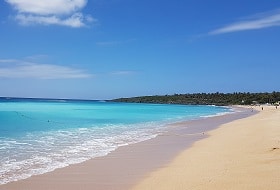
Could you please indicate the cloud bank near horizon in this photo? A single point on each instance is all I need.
(54, 12)
(259, 21)
(22, 69)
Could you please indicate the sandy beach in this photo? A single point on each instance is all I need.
(243, 154)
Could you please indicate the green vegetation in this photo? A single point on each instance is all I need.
(217, 98)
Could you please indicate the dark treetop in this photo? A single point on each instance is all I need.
(236, 98)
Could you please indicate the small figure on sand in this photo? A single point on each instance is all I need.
(262, 108)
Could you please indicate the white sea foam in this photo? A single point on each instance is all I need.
(38, 153)
(217, 114)
(229, 110)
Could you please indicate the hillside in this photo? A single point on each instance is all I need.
(208, 98)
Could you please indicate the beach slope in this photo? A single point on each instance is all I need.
(243, 154)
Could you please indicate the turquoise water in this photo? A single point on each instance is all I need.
(38, 136)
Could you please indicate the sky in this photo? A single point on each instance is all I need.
(105, 49)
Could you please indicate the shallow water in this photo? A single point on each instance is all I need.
(38, 136)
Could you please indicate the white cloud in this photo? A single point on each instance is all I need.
(20, 69)
(7, 60)
(122, 73)
(46, 7)
(260, 21)
(75, 21)
(54, 12)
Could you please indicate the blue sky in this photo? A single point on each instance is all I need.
(103, 49)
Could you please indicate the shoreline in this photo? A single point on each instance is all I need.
(124, 167)
(242, 154)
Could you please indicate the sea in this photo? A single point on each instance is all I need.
(41, 135)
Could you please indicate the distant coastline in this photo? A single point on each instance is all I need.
(219, 99)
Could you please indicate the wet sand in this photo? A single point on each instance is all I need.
(128, 165)
(240, 155)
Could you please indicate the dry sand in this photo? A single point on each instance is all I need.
(126, 166)
(240, 155)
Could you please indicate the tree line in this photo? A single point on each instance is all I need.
(236, 98)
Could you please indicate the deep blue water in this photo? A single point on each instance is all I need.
(37, 135)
